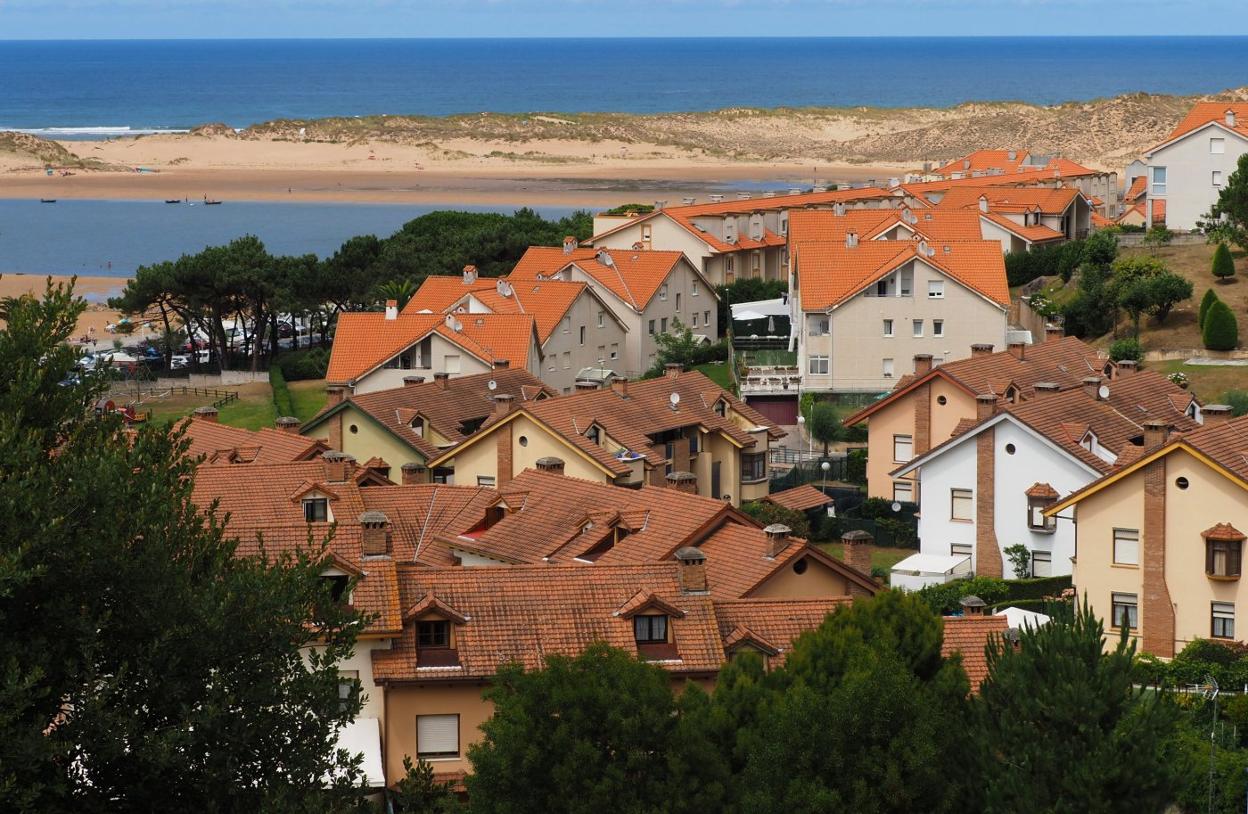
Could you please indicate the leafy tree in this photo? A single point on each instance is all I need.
(1158, 236)
(596, 729)
(825, 425)
(1223, 263)
(766, 513)
(1220, 331)
(1197, 771)
(398, 290)
(1135, 297)
(1056, 694)
(1228, 218)
(1094, 309)
(1020, 560)
(680, 347)
(146, 664)
(1209, 299)
(1166, 290)
(417, 792)
(1237, 400)
(1100, 249)
(1126, 349)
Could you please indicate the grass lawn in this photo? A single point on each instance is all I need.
(307, 397)
(764, 358)
(1208, 382)
(719, 373)
(251, 411)
(881, 557)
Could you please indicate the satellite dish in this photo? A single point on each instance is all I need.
(493, 385)
(1102, 392)
(896, 506)
(674, 398)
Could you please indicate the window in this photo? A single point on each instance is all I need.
(887, 368)
(678, 302)
(917, 327)
(485, 480)
(433, 633)
(315, 510)
(1222, 621)
(338, 585)
(1159, 180)
(961, 504)
(437, 736)
(1126, 547)
(1042, 563)
(444, 474)
(1036, 504)
(615, 350)
(706, 318)
(663, 291)
(881, 288)
(935, 289)
(582, 334)
(593, 434)
(903, 448)
(938, 327)
(1217, 146)
(693, 289)
(567, 359)
(961, 550)
(753, 466)
(1217, 178)
(903, 491)
(602, 319)
(818, 366)
(565, 325)
(663, 325)
(650, 629)
(888, 327)
(652, 327)
(1222, 557)
(1125, 611)
(347, 679)
(450, 364)
(645, 232)
(695, 319)
(819, 326)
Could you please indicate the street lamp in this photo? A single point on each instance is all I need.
(825, 466)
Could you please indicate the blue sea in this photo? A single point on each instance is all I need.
(97, 88)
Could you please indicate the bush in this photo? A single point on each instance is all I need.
(1158, 236)
(1020, 560)
(1220, 331)
(945, 599)
(856, 466)
(1056, 261)
(1223, 264)
(281, 393)
(299, 365)
(1209, 299)
(1126, 349)
(1237, 400)
(766, 513)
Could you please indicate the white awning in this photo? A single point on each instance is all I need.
(363, 735)
(929, 564)
(760, 309)
(1019, 618)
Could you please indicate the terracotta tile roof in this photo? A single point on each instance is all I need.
(223, 444)
(1203, 113)
(930, 191)
(1226, 443)
(364, 341)
(1037, 233)
(935, 225)
(1223, 531)
(1099, 221)
(446, 408)
(1159, 210)
(1137, 190)
(800, 498)
(1000, 160)
(420, 514)
(969, 635)
(1049, 200)
(546, 301)
(1042, 490)
(772, 622)
(831, 273)
(634, 275)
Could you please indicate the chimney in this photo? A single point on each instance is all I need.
(856, 548)
(1092, 386)
(502, 403)
(441, 380)
(1156, 434)
(619, 384)
(922, 363)
(1215, 414)
(659, 205)
(985, 406)
(339, 466)
(972, 605)
(838, 209)
(569, 244)
(375, 534)
(502, 364)
(1013, 154)
(550, 464)
(1054, 331)
(777, 539)
(470, 275)
(981, 349)
(334, 395)
(412, 381)
(692, 570)
(288, 423)
(584, 386)
(673, 369)
(1230, 117)
(604, 257)
(206, 413)
(392, 310)
(1046, 388)
(413, 473)
(851, 239)
(966, 163)
(686, 482)
(983, 203)
(1127, 366)
(1018, 350)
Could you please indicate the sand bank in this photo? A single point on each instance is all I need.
(96, 290)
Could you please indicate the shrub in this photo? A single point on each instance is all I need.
(945, 599)
(1178, 377)
(766, 513)
(281, 393)
(1223, 265)
(1158, 236)
(1237, 400)
(1209, 299)
(1126, 349)
(1220, 331)
(1057, 261)
(1020, 560)
(299, 365)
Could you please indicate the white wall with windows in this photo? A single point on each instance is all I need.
(1188, 174)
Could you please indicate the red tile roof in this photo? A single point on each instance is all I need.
(633, 275)
(969, 636)
(546, 301)
(222, 444)
(1048, 200)
(800, 498)
(1202, 113)
(771, 623)
(1137, 190)
(1000, 160)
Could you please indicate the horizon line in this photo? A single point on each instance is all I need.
(534, 37)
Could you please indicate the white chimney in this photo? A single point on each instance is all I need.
(1013, 154)
(1230, 117)
(983, 203)
(605, 258)
(966, 163)
(503, 288)
(470, 275)
(838, 209)
(569, 245)
(392, 309)
(851, 239)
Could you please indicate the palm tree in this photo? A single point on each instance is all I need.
(400, 290)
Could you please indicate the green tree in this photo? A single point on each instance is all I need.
(146, 665)
(1135, 297)
(1228, 218)
(417, 792)
(596, 729)
(1126, 349)
(1100, 249)
(825, 425)
(1166, 290)
(1209, 299)
(680, 346)
(766, 513)
(1020, 560)
(1059, 693)
(1223, 264)
(398, 290)
(1220, 331)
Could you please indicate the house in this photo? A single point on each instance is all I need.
(410, 425)
(1092, 183)
(925, 408)
(1187, 170)
(729, 240)
(969, 637)
(1023, 217)
(805, 499)
(577, 328)
(1159, 541)
(680, 429)
(860, 308)
(214, 443)
(649, 291)
(376, 350)
(985, 489)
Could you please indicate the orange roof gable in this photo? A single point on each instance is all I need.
(1202, 113)
(1049, 200)
(546, 301)
(633, 275)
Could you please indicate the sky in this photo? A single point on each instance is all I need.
(72, 19)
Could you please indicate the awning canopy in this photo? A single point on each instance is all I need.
(363, 736)
(929, 564)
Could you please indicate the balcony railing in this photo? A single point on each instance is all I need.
(760, 380)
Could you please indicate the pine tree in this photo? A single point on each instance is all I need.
(1223, 264)
(1209, 299)
(1220, 331)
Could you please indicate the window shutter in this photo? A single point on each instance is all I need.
(437, 734)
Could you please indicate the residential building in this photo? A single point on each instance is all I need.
(926, 406)
(649, 291)
(861, 308)
(1159, 541)
(1023, 217)
(410, 425)
(985, 489)
(1186, 172)
(1092, 183)
(214, 443)
(376, 350)
(681, 428)
(577, 328)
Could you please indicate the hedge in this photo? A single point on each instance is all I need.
(1226, 662)
(1045, 261)
(299, 365)
(281, 393)
(946, 598)
(1220, 331)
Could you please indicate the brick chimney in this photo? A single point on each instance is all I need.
(1018, 350)
(339, 466)
(972, 605)
(502, 364)
(619, 384)
(1215, 414)
(985, 406)
(334, 395)
(1092, 386)
(583, 386)
(1046, 388)
(692, 570)
(550, 464)
(412, 381)
(922, 363)
(375, 533)
(470, 275)
(1054, 332)
(777, 538)
(441, 379)
(502, 403)
(981, 349)
(208, 414)
(856, 545)
(288, 423)
(673, 369)
(686, 482)
(1127, 366)
(1156, 433)
(413, 473)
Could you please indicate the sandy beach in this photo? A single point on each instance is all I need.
(96, 290)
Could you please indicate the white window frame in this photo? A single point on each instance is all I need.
(1130, 604)
(938, 327)
(916, 328)
(1222, 612)
(663, 291)
(435, 732)
(888, 329)
(615, 350)
(693, 289)
(818, 365)
(903, 445)
(903, 491)
(485, 480)
(961, 550)
(964, 500)
(602, 319)
(935, 289)
(1125, 547)
(1217, 145)
(887, 368)
(1045, 557)
(1215, 178)
(1158, 187)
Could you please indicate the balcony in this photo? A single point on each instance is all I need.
(770, 380)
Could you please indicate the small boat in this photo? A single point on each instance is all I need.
(47, 200)
(172, 200)
(212, 203)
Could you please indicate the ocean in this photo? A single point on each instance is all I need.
(113, 238)
(92, 89)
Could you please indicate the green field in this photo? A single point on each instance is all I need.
(719, 373)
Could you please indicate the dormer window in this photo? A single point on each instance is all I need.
(418, 426)
(315, 509)
(338, 584)
(1223, 551)
(1011, 394)
(433, 633)
(720, 408)
(1040, 497)
(594, 434)
(651, 629)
